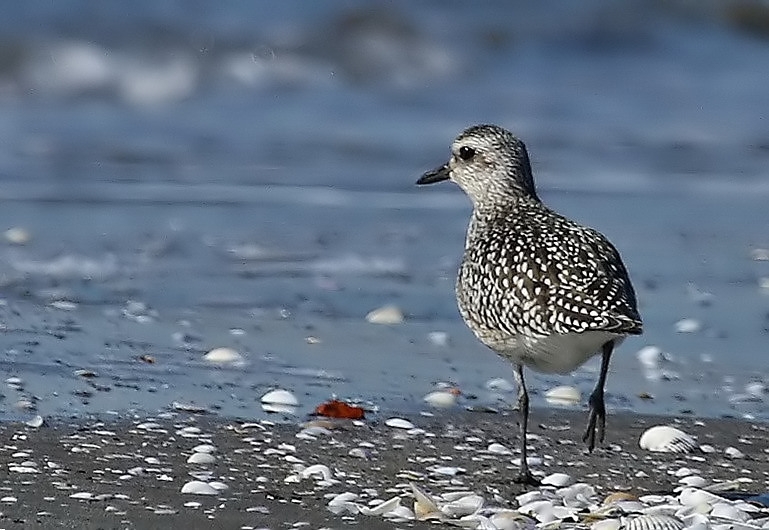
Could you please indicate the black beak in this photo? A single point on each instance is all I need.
(436, 175)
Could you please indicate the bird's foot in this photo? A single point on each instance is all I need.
(526, 478)
(596, 422)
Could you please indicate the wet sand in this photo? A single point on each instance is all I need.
(130, 473)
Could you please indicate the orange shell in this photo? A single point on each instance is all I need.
(339, 409)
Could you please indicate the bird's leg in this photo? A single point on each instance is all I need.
(524, 475)
(597, 418)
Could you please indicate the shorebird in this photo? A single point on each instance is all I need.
(537, 288)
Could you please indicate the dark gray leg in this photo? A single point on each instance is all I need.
(524, 475)
(597, 419)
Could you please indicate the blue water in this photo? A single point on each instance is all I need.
(251, 166)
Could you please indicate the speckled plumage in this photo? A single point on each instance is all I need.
(534, 286)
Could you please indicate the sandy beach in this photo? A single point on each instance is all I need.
(130, 474)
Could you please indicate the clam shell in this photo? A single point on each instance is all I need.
(563, 395)
(666, 439)
(280, 397)
(653, 522)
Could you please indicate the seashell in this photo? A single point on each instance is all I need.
(526, 498)
(541, 510)
(198, 487)
(204, 448)
(280, 397)
(35, 422)
(650, 356)
(694, 481)
(498, 449)
(448, 470)
(438, 338)
(733, 452)
(400, 513)
(442, 399)
(618, 496)
(17, 235)
(201, 458)
(606, 524)
(653, 522)
(280, 402)
(510, 520)
(383, 508)
(697, 497)
(466, 505)
(387, 315)
(724, 510)
(223, 356)
(558, 480)
(666, 439)
(399, 423)
(500, 385)
(579, 495)
(344, 503)
(425, 507)
(531, 461)
(318, 471)
(688, 325)
(563, 395)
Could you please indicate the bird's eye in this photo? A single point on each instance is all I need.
(466, 153)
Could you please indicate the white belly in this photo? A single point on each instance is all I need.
(558, 353)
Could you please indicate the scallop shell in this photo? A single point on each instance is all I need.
(653, 522)
(666, 439)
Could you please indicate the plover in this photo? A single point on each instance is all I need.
(537, 288)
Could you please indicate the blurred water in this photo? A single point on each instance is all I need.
(188, 168)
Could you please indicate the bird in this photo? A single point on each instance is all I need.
(537, 288)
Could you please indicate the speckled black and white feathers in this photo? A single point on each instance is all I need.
(534, 286)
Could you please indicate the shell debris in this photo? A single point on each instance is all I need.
(563, 395)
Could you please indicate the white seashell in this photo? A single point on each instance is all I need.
(383, 508)
(654, 522)
(733, 452)
(606, 524)
(707, 449)
(425, 507)
(466, 505)
(666, 439)
(650, 356)
(35, 422)
(198, 487)
(399, 423)
(201, 458)
(542, 510)
(441, 399)
(531, 461)
(17, 235)
(688, 325)
(563, 395)
(558, 480)
(579, 495)
(500, 385)
(438, 338)
(526, 498)
(682, 472)
(204, 448)
(697, 497)
(82, 495)
(387, 315)
(219, 486)
(223, 356)
(318, 471)
(498, 449)
(724, 510)
(344, 502)
(400, 513)
(448, 470)
(510, 520)
(280, 397)
(693, 481)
